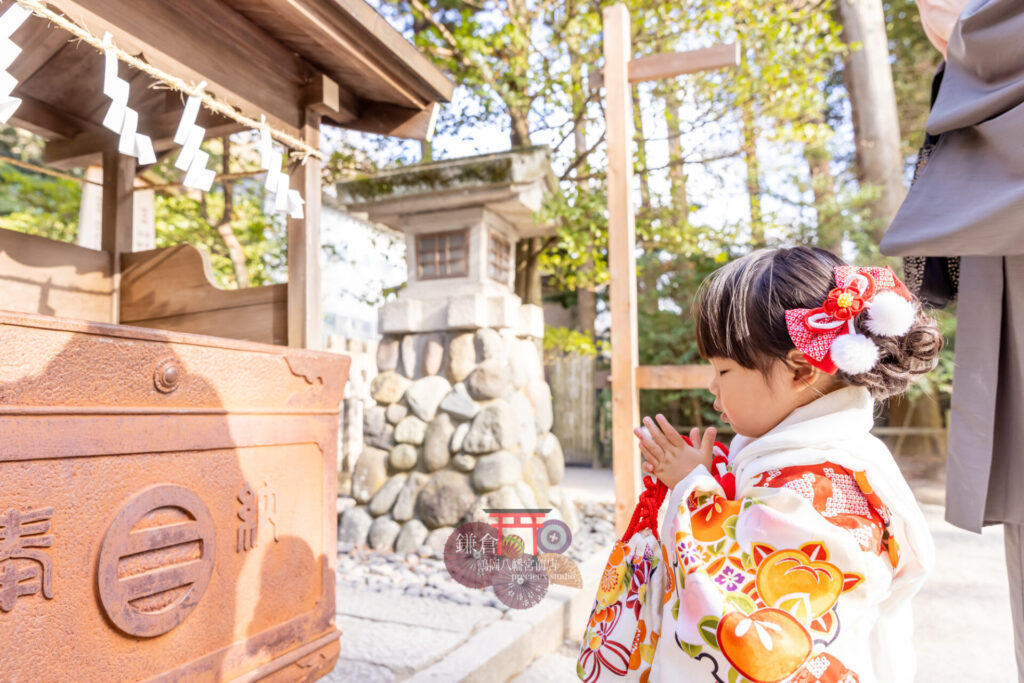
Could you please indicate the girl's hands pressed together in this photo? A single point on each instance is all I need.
(668, 457)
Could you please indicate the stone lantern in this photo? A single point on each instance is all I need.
(463, 415)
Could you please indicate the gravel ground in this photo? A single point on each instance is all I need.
(423, 574)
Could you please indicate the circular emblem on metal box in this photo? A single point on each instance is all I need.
(156, 560)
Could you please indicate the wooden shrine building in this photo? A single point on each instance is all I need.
(299, 62)
(167, 448)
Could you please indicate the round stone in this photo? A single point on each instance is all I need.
(387, 354)
(405, 504)
(539, 394)
(369, 474)
(403, 457)
(355, 526)
(459, 437)
(445, 499)
(459, 404)
(461, 357)
(411, 430)
(410, 355)
(396, 412)
(494, 428)
(383, 532)
(496, 470)
(551, 453)
(433, 354)
(490, 345)
(412, 535)
(530, 354)
(437, 538)
(384, 441)
(489, 380)
(436, 442)
(516, 367)
(526, 423)
(526, 495)
(463, 462)
(388, 387)
(374, 420)
(425, 395)
(385, 497)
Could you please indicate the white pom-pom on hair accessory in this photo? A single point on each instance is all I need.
(889, 315)
(854, 353)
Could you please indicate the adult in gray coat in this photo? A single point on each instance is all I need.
(968, 201)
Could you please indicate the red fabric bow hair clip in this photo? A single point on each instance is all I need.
(827, 336)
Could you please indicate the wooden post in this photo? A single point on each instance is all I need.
(304, 324)
(118, 214)
(90, 210)
(621, 264)
(627, 378)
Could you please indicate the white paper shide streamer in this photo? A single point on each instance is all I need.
(10, 20)
(191, 159)
(121, 118)
(283, 199)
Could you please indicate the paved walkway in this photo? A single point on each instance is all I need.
(962, 617)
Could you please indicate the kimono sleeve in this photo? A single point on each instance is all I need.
(756, 586)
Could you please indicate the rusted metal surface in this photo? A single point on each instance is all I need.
(167, 505)
(156, 560)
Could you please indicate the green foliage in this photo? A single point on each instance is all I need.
(180, 219)
(562, 341)
(41, 204)
(38, 204)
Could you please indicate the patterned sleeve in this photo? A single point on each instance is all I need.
(757, 586)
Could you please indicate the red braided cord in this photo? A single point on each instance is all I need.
(645, 516)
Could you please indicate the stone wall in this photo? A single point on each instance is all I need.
(357, 399)
(460, 421)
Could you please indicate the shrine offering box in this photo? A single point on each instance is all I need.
(167, 505)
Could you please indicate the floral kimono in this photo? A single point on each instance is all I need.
(804, 576)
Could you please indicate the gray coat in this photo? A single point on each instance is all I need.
(969, 201)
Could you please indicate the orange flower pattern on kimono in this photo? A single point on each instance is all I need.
(620, 640)
(752, 585)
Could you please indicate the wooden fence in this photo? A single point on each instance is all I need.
(574, 400)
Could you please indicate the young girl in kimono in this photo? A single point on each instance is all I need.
(795, 556)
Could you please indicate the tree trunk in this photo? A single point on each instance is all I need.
(753, 176)
(829, 229)
(223, 227)
(533, 284)
(520, 133)
(676, 174)
(586, 300)
(528, 285)
(868, 79)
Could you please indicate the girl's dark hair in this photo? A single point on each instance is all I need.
(740, 311)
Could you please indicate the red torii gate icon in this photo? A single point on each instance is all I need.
(517, 520)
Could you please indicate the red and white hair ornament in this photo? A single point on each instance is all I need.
(827, 336)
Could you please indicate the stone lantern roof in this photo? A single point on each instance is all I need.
(509, 184)
(462, 219)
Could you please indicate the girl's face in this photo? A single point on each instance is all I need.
(753, 403)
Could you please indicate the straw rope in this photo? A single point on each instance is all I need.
(303, 149)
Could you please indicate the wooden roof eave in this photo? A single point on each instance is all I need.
(391, 90)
